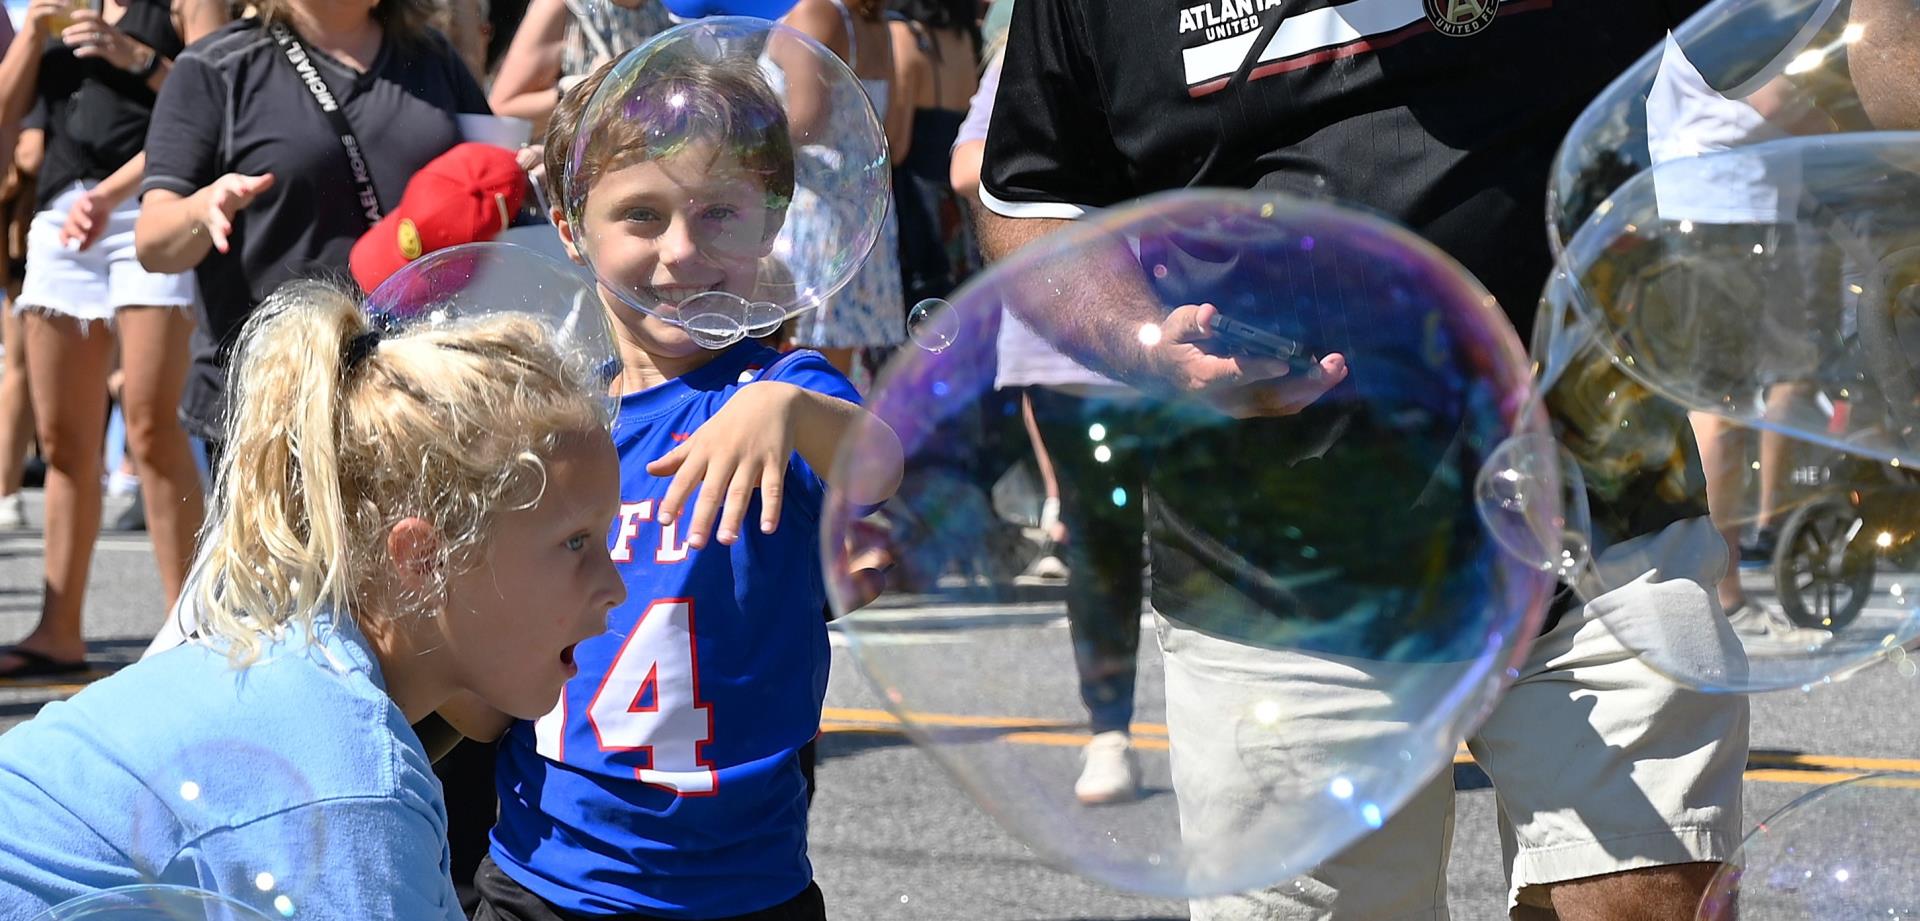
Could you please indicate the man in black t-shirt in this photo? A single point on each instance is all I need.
(1620, 790)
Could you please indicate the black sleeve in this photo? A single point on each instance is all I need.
(36, 119)
(1050, 150)
(468, 97)
(183, 139)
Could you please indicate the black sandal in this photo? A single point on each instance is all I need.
(38, 665)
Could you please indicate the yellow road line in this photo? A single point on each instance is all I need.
(1766, 767)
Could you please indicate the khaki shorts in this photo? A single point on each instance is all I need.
(1598, 764)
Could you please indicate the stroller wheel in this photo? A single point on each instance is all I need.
(1822, 568)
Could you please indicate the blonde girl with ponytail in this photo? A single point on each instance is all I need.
(402, 522)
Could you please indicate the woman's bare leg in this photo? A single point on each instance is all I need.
(154, 356)
(67, 362)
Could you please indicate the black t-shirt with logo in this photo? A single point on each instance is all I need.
(233, 105)
(1443, 115)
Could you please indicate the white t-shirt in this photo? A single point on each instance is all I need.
(1691, 129)
(1026, 360)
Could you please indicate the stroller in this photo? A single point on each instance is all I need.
(1862, 514)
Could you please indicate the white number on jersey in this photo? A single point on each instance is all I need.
(649, 701)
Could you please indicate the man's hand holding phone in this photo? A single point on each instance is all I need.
(1239, 369)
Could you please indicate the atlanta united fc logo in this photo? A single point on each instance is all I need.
(1461, 17)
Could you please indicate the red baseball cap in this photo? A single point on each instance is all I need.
(466, 195)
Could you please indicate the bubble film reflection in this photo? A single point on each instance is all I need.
(154, 903)
(1836, 853)
(1313, 525)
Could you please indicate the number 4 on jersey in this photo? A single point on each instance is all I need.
(650, 702)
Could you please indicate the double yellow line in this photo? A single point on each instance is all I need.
(1762, 767)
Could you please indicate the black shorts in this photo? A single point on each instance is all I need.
(503, 899)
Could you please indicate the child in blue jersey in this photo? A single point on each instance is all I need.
(401, 522)
(667, 781)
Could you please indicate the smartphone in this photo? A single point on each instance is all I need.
(1247, 339)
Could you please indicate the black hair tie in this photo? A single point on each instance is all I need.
(359, 347)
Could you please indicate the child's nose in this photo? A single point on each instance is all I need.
(678, 245)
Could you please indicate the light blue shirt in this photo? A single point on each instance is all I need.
(294, 785)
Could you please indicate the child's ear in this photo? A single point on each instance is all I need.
(565, 229)
(413, 547)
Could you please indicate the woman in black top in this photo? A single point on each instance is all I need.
(250, 182)
(95, 78)
(936, 61)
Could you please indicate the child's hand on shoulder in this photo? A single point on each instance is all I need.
(745, 446)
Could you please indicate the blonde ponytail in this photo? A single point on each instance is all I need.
(336, 434)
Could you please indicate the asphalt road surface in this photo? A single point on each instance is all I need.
(894, 837)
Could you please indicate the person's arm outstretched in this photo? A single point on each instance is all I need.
(746, 446)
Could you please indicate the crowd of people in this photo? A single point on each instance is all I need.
(384, 507)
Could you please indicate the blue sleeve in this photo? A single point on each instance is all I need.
(346, 859)
(810, 370)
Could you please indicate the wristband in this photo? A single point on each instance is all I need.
(153, 63)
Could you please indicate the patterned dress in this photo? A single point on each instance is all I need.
(871, 310)
(599, 31)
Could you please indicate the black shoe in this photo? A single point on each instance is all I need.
(134, 518)
(1758, 552)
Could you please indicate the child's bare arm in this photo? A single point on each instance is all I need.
(746, 445)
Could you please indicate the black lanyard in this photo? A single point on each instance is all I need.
(296, 55)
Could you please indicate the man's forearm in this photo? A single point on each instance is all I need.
(1092, 304)
(1885, 62)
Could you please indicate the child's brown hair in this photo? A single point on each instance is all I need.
(668, 103)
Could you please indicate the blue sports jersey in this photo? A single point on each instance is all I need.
(667, 779)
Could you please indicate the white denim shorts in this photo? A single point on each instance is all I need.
(91, 284)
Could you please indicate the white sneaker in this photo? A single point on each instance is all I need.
(13, 512)
(1112, 772)
(1046, 570)
(1761, 627)
(121, 484)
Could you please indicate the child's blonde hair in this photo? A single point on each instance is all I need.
(337, 433)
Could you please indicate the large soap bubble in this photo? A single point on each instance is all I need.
(152, 902)
(728, 174)
(1337, 611)
(1840, 852)
(481, 279)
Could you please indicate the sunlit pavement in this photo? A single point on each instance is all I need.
(892, 838)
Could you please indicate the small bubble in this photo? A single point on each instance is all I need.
(283, 905)
(263, 881)
(189, 791)
(903, 900)
(933, 325)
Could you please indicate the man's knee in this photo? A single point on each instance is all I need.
(1666, 893)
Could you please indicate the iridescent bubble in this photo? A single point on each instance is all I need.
(152, 903)
(932, 325)
(482, 279)
(764, 164)
(1313, 512)
(1842, 851)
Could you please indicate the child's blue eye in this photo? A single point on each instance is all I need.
(642, 216)
(578, 542)
(722, 213)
